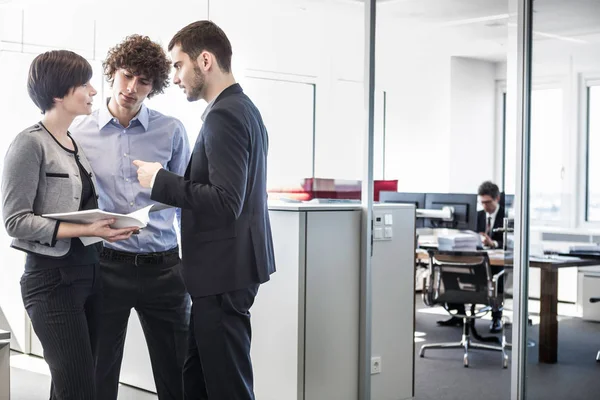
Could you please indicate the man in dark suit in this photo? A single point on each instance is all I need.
(225, 229)
(488, 219)
(491, 217)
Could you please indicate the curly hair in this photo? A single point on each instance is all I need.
(140, 56)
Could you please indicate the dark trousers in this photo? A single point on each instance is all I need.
(218, 365)
(158, 294)
(63, 306)
(496, 307)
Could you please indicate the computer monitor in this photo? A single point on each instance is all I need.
(418, 199)
(465, 210)
(507, 201)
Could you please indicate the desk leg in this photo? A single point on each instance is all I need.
(548, 316)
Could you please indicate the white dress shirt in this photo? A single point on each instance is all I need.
(492, 222)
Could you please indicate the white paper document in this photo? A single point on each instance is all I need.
(139, 218)
(452, 240)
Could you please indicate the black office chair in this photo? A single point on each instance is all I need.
(507, 304)
(596, 300)
(464, 278)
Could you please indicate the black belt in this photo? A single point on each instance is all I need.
(139, 258)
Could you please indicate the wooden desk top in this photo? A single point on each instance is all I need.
(497, 257)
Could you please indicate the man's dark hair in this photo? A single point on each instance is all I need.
(489, 188)
(202, 36)
(140, 56)
(54, 74)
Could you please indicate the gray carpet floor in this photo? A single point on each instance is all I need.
(441, 375)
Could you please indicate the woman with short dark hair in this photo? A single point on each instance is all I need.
(45, 172)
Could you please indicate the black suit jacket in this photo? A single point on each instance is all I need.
(498, 223)
(225, 229)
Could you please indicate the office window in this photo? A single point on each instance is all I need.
(546, 161)
(503, 185)
(546, 179)
(287, 109)
(593, 155)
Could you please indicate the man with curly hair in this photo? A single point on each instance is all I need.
(143, 272)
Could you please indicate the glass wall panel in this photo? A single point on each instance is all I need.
(563, 332)
(441, 64)
(305, 77)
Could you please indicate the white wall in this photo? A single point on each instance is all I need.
(472, 123)
(88, 28)
(440, 125)
(418, 123)
(295, 42)
(12, 314)
(439, 105)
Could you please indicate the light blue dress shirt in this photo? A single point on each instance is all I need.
(111, 149)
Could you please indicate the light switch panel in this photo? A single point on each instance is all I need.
(389, 232)
(388, 219)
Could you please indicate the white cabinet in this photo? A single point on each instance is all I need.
(589, 287)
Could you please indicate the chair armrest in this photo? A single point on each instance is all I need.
(428, 286)
(495, 280)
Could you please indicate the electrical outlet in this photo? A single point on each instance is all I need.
(375, 365)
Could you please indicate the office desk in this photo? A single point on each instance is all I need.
(549, 266)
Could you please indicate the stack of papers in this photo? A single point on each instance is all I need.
(458, 241)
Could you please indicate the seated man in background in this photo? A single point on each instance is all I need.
(492, 215)
(488, 219)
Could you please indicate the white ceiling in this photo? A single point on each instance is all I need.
(468, 28)
(480, 28)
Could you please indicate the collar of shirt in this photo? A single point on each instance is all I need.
(493, 215)
(209, 106)
(105, 116)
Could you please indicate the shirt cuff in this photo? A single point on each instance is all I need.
(154, 178)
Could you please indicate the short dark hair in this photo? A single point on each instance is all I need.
(489, 188)
(202, 36)
(140, 56)
(54, 74)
